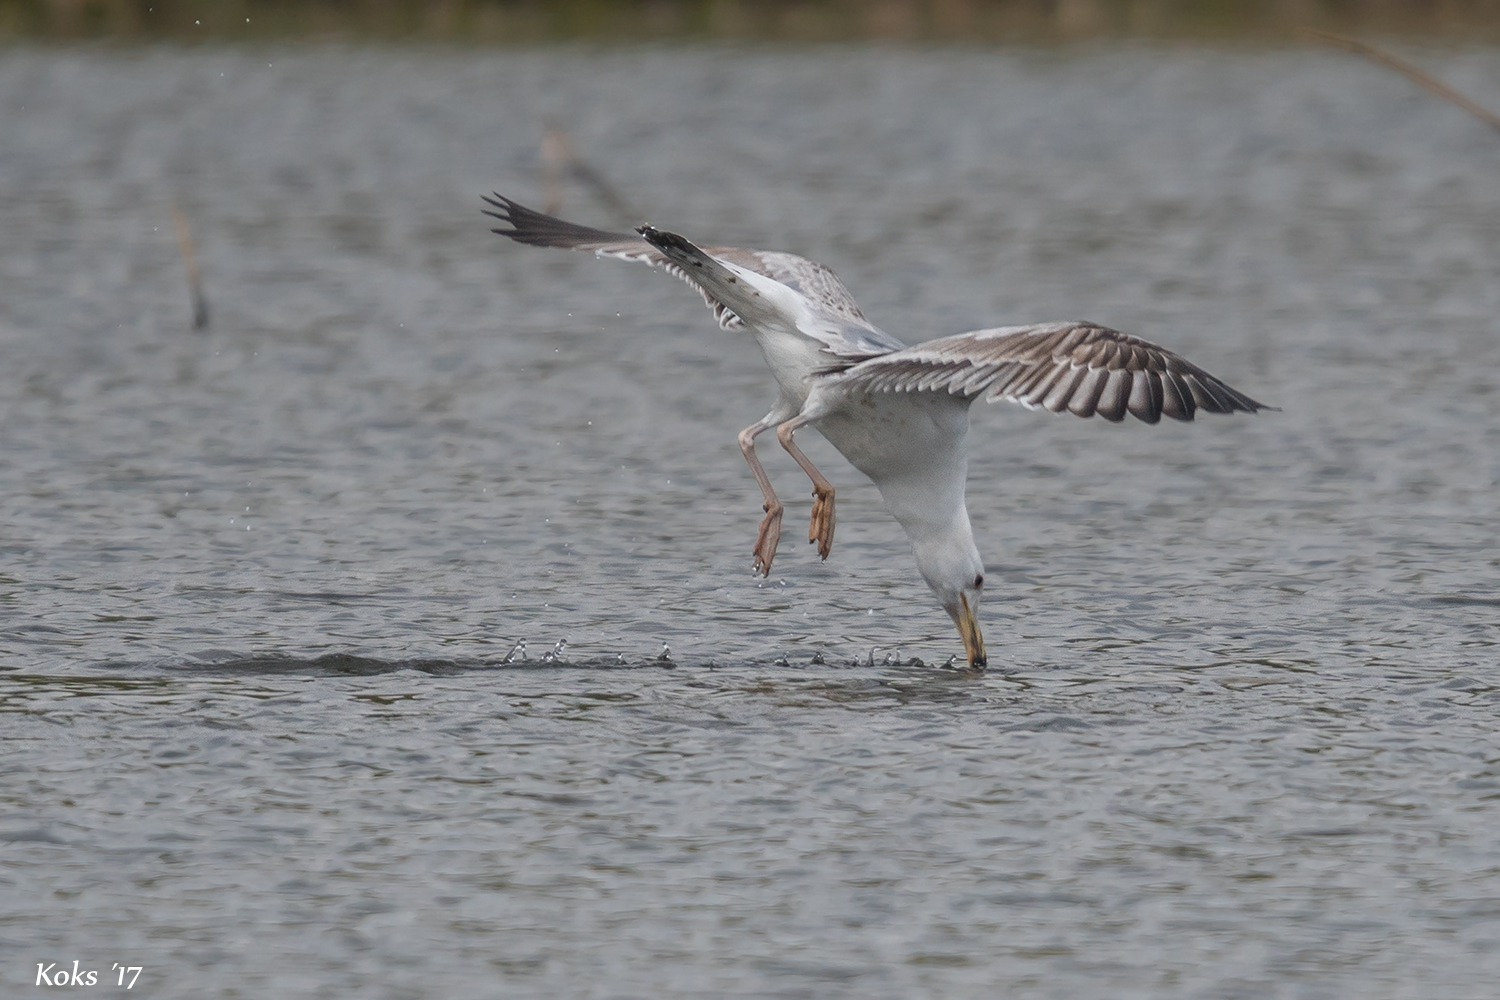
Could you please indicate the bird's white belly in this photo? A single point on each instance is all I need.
(792, 358)
(900, 435)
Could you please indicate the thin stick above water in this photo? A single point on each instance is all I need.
(1421, 78)
(560, 160)
(190, 262)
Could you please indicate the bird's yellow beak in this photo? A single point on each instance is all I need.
(968, 630)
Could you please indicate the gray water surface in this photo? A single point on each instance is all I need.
(258, 584)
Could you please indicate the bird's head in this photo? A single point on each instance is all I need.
(952, 568)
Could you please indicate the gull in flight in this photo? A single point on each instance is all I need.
(899, 414)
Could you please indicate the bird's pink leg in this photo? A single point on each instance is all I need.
(770, 525)
(820, 530)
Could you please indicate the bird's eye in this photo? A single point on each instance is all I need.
(979, 580)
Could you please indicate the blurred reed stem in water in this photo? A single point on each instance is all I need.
(1415, 74)
(189, 252)
(530, 21)
(561, 162)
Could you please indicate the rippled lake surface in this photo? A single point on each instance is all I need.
(258, 584)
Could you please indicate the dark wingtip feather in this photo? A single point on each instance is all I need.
(663, 240)
(537, 229)
(1237, 400)
(508, 212)
(507, 208)
(1250, 405)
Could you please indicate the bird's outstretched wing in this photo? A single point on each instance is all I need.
(1079, 367)
(832, 315)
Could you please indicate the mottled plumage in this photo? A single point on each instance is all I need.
(1083, 368)
(836, 319)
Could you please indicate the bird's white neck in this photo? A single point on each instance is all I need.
(942, 540)
(912, 447)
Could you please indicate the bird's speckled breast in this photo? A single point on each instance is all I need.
(890, 435)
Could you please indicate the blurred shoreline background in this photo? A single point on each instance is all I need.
(522, 22)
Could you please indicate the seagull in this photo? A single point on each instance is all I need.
(899, 414)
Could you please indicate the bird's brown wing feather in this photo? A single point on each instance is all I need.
(1083, 368)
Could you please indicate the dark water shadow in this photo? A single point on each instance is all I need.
(354, 665)
(331, 665)
(848, 684)
(1464, 600)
